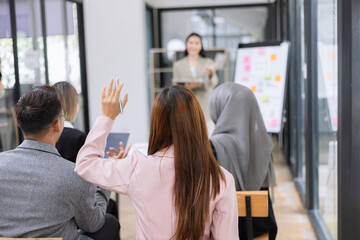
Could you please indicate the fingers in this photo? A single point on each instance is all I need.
(116, 152)
(128, 149)
(109, 154)
(125, 100)
(110, 88)
(103, 92)
(118, 90)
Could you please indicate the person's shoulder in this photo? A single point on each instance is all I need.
(73, 132)
(229, 178)
(70, 178)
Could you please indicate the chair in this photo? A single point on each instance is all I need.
(253, 204)
(5, 238)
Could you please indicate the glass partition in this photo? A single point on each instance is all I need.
(9, 137)
(328, 112)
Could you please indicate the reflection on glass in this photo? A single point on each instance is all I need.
(63, 48)
(328, 112)
(30, 44)
(8, 129)
(303, 99)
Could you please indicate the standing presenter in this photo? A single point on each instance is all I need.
(196, 72)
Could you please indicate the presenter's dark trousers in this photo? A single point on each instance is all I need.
(110, 230)
(260, 225)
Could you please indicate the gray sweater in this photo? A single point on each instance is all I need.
(41, 196)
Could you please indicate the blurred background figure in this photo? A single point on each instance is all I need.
(242, 146)
(71, 139)
(196, 72)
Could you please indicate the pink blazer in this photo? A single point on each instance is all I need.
(148, 180)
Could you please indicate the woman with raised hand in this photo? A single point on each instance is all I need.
(242, 146)
(179, 191)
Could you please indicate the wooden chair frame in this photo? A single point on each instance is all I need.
(252, 204)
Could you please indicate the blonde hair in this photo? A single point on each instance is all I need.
(69, 99)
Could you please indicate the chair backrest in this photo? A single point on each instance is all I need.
(258, 200)
(5, 238)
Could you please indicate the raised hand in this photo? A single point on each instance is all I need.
(110, 99)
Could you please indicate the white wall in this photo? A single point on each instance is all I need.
(115, 46)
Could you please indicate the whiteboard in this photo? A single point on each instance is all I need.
(263, 70)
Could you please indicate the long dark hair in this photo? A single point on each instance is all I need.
(177, 119)
(202, 51)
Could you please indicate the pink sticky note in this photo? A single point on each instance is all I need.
(261, 51)
(335, 121)
(247, 68)
(245, 78)
(274, 122)
(246, 59)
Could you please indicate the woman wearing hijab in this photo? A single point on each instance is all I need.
(242, 146)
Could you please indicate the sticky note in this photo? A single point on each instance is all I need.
(277, 78)
(335, 121)
(264, 98)
(267, 76)
(245, 78)
(246, 59)
(253, 88)
(247, 68)
(331, 55)
(274, 122)
(273, 57)
(261, 51)
(329, 76)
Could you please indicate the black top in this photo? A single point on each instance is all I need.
(70, 142)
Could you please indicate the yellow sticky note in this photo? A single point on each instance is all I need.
(277, 78)
(264, 98)
(273, 57)
(267, 76)
(253, 88)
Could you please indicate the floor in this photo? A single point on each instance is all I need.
(292, 219)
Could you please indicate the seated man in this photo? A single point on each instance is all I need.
(41, 196)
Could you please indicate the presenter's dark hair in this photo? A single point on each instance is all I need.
(177, 119)
(202, 51)
(37, 109)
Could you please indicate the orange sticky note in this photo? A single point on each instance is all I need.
(329, 76)
(273, 57)
(277, 78)
(331, 55)
(253, 88)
